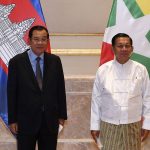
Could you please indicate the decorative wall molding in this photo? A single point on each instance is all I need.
(76, 52)
(76, 34)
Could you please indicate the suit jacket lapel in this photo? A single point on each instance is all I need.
(29, 69)
(46, 69)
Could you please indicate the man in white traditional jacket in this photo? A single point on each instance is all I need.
(120, 108)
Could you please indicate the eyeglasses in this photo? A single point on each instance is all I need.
(37, 40)
(122, 46)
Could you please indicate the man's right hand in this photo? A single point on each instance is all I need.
(95, 134)
(14, 128)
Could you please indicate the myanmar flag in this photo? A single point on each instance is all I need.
(133, 18)
(16, 18)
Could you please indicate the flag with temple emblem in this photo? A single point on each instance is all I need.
(133, 18)
(16, 17)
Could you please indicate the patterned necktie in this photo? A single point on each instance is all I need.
(38, 73)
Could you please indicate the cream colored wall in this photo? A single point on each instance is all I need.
(76, 16)
(79, 24)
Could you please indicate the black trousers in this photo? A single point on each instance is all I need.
(44, 139)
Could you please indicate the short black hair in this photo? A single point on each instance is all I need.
(113, 41)
(39, 28)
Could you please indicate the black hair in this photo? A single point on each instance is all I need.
(113, 41)
(39, 28)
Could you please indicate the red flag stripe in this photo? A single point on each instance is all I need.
(106, 53)
(3, 66)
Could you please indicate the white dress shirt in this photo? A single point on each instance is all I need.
(121, 94)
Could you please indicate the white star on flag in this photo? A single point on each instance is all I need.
(127, 16)
(136, 28)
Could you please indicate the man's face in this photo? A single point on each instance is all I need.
(38, 42)
(122, 49)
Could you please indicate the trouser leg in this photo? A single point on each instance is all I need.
(26, 142)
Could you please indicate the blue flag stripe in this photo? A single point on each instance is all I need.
(3, 95)
(36, 4)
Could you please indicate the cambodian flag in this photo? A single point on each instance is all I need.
(16, 17)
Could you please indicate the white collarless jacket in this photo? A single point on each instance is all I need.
(121, 94)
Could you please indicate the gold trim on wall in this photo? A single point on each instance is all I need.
(76, 52)
(76, 34)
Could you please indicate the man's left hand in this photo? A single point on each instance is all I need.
(144, 134)
(61, 121)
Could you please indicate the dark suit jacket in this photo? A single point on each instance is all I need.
(25, 99)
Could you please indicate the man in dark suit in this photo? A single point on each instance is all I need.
(36, 94)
